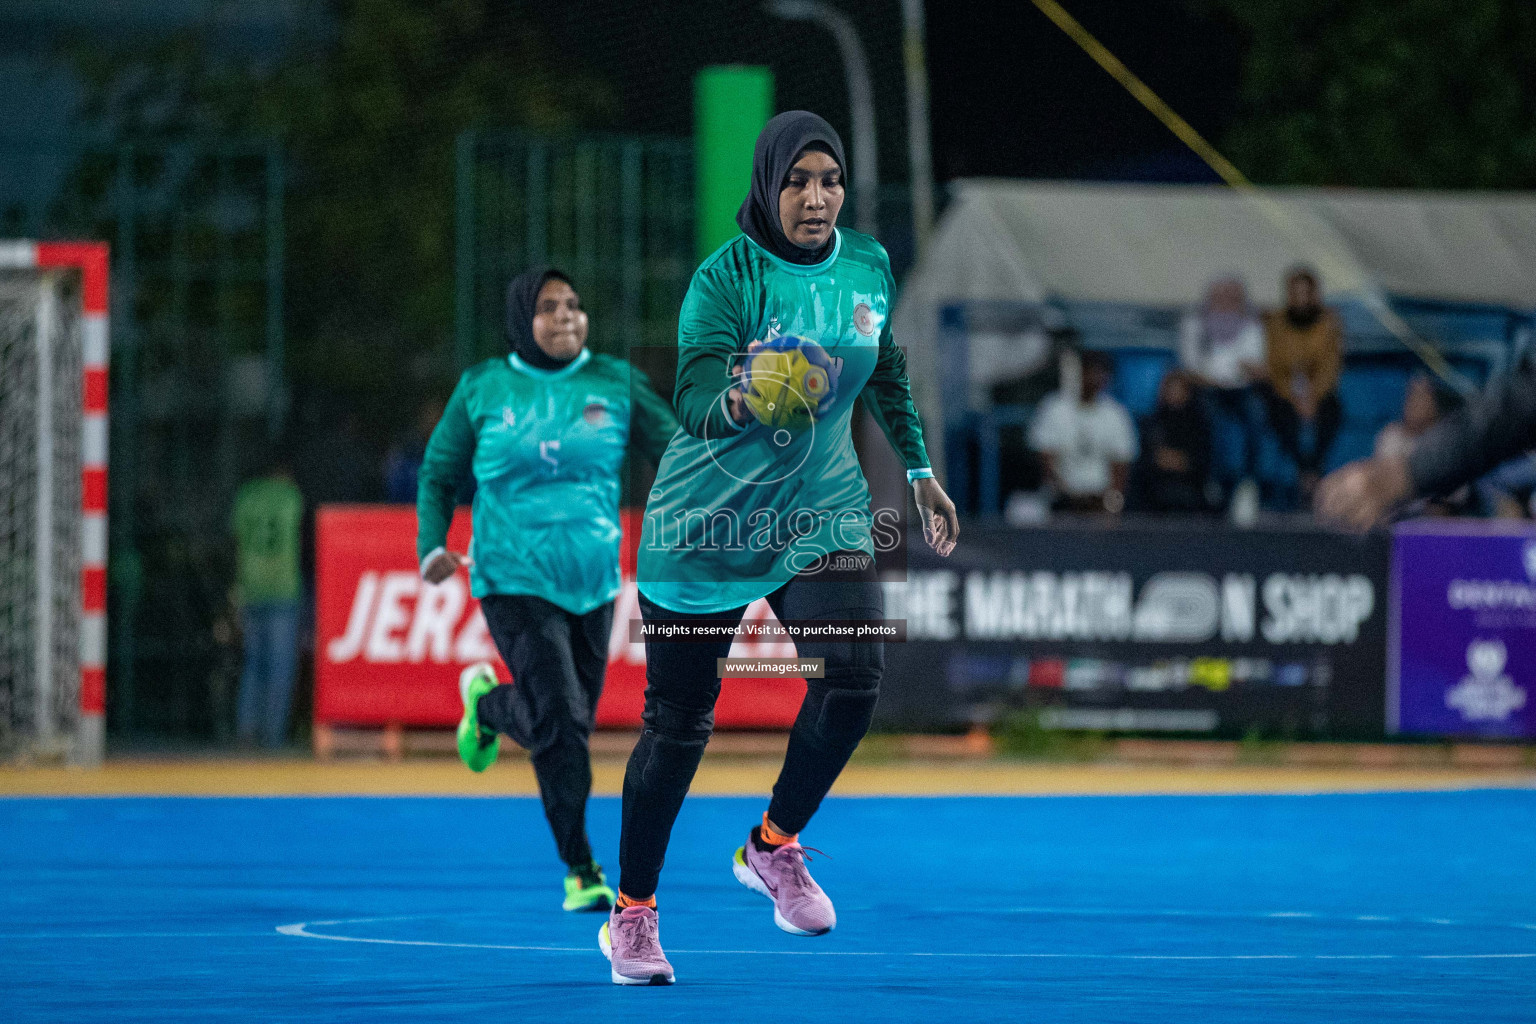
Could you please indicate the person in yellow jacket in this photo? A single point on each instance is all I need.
(1305, 354)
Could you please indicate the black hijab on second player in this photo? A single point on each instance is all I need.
(522, 304)
(779, 145)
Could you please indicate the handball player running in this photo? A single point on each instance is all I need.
(760, 495)
(543, 430)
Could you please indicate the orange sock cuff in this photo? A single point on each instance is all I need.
(772, 837)
(629, 901)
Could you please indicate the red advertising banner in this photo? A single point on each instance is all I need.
(389, 646)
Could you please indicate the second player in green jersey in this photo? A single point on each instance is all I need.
(544, 431)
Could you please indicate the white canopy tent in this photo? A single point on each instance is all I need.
(1160, 245)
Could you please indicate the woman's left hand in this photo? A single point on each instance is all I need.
(442, 564)
(941, 527)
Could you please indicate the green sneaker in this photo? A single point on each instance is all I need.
(477, 749)
(586, 888)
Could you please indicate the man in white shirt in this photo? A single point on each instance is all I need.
(1086, 441)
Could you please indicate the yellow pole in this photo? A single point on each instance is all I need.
(1228, 172)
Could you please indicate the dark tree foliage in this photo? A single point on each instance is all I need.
(1386, 93)
(370, 131)
(366, 119)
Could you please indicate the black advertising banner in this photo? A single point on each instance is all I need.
(1144, 627)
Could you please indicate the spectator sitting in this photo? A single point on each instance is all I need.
(1423, 405)
(1507, 492)
(1086, 442)
(1174, 468)
(1019, 468)
(1222, 345)
(1305, 346)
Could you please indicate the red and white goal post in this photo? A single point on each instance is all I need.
(53, 500)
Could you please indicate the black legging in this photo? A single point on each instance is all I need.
(681, 687)
(1287, 423)
(557, 661)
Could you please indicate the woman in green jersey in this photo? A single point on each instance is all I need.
(760, 495)
(543, 431)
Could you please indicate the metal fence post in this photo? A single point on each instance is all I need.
(277, 394)
(606, 208)
(464, 341)
(536, 204)
(631, 270)
(124, 554)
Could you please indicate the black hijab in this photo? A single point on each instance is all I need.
(522, 303)
(779, 145)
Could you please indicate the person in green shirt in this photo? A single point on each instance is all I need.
(543, 431)
(266, 520)
(784, 330)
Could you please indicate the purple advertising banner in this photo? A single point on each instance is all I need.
(1463, 650)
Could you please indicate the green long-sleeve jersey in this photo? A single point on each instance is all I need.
(736, 511)
(545, 448)
(266, 521)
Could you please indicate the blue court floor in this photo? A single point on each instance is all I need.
(1384, 907)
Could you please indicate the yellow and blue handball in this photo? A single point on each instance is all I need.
(789, 382)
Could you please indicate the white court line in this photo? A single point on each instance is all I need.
(375, 920)
(1221, 915)
(1355, 956)
(1476, 956)
(301, 930)
(133, 935)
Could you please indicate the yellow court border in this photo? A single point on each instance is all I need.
(731, 776)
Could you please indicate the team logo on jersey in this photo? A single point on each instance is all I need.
(508, 417)
(864, 319)
(595, 413)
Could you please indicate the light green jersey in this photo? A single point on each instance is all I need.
(545, 448)
(735, 512)
(266, 523)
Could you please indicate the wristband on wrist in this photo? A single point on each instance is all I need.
(725, 407)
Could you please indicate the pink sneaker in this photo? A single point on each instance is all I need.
(632, 945)
(799, 905)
